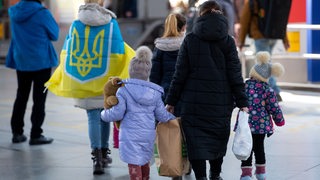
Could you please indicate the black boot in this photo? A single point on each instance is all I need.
(97, 161)
(106, 159)
(215, 177)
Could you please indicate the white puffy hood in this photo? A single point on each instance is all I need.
(93, 14)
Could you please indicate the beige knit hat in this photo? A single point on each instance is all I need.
(140, 65)
(264, 69)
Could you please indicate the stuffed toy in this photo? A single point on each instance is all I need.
(109, 93)
(110, 90)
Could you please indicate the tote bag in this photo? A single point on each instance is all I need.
(170, 150)
(242, 142)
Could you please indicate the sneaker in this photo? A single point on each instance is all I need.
(261, 176)
(246, 178)
(18, 138)
(41, 140)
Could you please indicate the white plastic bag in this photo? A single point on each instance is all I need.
(242, 142)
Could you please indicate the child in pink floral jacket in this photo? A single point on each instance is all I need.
(264, 109)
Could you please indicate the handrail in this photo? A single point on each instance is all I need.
(304, 26)
(305, 56)
(298, 56)
(287, 56)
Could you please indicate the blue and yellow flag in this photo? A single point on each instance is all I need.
(90, 55)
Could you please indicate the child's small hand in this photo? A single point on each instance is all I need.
(170, 108)
(281, 123)
(245, 109)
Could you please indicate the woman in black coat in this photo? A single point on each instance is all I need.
(208, 83)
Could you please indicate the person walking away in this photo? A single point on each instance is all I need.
(264, 109)
(126, 8)
(249, 26)
(165, 54)
(140, 105)
(208, 84)
(93, 52)
(93, 14)
(227, 9)
(166, 51)
(32, 55)
(237, 6)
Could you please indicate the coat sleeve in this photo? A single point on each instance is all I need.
(51, 25)
(234, 73)
(117, 112)
(9, 58)
(274, 109)
(179, 76)
(161, 114)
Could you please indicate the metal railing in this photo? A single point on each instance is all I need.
(303, 55)
(299, 56)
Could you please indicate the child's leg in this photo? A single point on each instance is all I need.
(145, 172)
(115, 136)
(246, 168)
(261, 172)
(260, 156)
(135, 172)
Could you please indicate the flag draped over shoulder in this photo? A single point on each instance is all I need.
(90, 55)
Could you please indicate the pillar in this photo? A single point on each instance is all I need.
(313, 40)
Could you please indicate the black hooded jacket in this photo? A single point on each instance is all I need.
(207, 82)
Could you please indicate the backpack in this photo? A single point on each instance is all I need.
(272, 17)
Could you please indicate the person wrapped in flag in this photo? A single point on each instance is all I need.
(93, 51)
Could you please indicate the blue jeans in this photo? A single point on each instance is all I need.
(267, 45)
(99, 131)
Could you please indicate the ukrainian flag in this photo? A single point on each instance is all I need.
(90, 55)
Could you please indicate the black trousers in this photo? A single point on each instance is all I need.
(199, 167)
(257, 149)
(25, 81)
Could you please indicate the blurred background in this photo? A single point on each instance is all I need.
(141, 21)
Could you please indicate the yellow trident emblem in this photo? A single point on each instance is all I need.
(85, 62)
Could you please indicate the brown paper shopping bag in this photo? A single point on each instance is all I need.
(170, 151)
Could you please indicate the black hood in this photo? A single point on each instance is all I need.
(211, 27)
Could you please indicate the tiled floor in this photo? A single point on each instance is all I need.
(292, 152)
